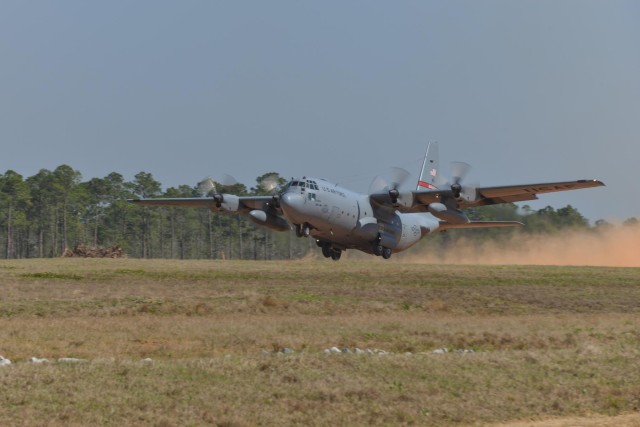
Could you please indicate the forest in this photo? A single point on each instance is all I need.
(43, 215)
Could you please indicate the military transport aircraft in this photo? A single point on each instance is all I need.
(385, 221)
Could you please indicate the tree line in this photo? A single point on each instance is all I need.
(44, 214)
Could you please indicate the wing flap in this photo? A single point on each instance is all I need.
(480, 224)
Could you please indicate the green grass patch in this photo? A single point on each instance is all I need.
(548, 341)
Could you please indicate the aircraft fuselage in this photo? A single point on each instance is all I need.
(339, 218)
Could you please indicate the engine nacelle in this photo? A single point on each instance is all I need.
(412, 231)
(230, 203)
(267, 220)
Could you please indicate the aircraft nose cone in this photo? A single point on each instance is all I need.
(291, 204)
(291, 200)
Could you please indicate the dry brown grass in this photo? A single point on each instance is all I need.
(549, 342)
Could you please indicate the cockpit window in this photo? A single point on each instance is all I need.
(304, 184)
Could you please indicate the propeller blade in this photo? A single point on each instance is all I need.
(228, 181)
(398, 177)
(206, 187)
(378, 185)
(459, 170)
(271, 184)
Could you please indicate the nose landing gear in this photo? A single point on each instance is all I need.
(302, 230)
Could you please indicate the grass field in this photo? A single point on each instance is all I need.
(546, 341)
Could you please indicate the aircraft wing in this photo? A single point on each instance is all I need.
(519, 193)
(237, 204)
(417, 201)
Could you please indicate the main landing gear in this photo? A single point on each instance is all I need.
(329, 252)
(380, 250)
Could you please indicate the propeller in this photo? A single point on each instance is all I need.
(227, 180)
(208, 187)
(396, 177)
(271, 184)
(459, 171)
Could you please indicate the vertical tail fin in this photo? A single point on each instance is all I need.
(431, 167)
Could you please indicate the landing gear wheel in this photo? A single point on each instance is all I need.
(335, 254)
(378, 250)
(386, 253)
(302, 230)
(326, 251)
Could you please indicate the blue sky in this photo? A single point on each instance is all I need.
(525, 91)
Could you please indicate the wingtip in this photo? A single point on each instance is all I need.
(595, 182)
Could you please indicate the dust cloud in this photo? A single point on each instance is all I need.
(614, 247)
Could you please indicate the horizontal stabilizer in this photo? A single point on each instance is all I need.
(480, 224)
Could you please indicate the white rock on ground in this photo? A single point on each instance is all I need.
(4, 361)
(38, 360)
